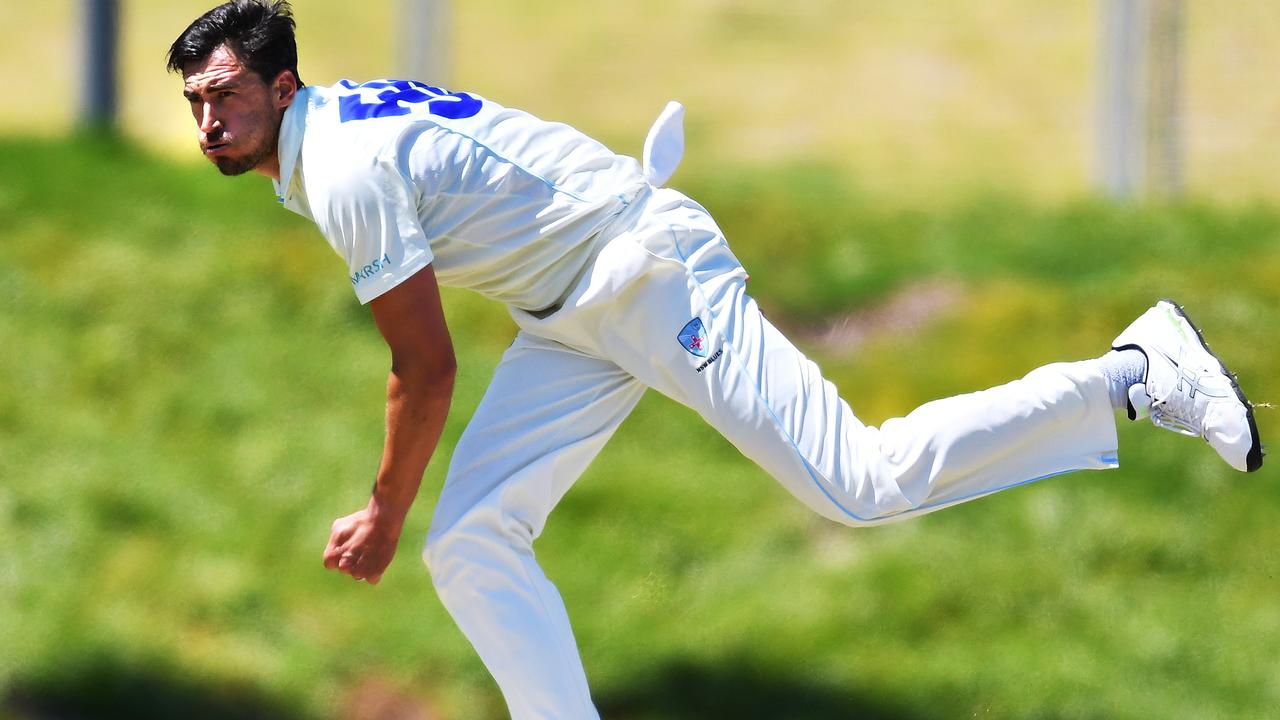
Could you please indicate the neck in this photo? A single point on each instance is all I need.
(270, 166)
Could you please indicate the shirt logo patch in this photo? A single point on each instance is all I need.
(694, 338)
(371, 269)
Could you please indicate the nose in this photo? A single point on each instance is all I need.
(209, 125)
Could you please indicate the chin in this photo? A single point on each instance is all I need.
(232, 166)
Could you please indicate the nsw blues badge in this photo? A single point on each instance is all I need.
(694, 338)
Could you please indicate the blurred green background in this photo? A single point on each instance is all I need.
(191, 394)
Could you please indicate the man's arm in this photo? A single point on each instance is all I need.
(419, 390)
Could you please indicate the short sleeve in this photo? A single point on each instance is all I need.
(368, 214)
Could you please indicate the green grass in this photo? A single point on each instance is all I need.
(191, 395)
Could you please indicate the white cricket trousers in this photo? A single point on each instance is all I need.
(571, 377)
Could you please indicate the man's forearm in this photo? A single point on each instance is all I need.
(417, 405)
(419, 390)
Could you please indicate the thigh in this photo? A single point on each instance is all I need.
(721, 357)
(685, 325)
(667, 302)
(547, 412)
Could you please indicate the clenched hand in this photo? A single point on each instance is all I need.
(363, 544)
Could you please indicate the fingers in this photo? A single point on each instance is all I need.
(335, 551)
(361, 567)
(340, 538)
(349, 558)
(356, 551)
(344, 559)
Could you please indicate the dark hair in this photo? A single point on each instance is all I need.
(259, 32)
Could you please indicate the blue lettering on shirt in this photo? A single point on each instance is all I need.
(387, 103)
(371, 269)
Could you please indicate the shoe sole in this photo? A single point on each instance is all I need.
(1253, 460)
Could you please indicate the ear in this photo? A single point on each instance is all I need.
(283, 88)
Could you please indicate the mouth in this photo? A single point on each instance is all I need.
(217, 148)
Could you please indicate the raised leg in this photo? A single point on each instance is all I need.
(668, 303)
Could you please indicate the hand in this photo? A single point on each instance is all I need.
(362, 544)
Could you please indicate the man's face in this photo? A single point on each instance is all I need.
(238, 115)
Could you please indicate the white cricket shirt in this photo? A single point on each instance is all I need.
(400, 174)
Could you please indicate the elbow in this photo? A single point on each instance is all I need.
(439, 374)
(432, 376)
(447, 372)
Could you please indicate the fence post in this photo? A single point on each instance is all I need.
(1164, 159)
(98, 97)
(424, 40)
(1121, 132)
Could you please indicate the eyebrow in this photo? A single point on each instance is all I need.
(194, 95)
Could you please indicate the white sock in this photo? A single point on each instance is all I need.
(1123, 369)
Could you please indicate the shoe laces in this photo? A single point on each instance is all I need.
(1182, 408)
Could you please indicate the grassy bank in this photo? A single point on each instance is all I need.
(191, 395)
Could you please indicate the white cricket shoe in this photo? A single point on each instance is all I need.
(1187, 389)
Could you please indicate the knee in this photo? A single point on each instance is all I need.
(873, 495)
(479, 537)
(446, 548)
(870, 517)
(850, 510)
(434, 553)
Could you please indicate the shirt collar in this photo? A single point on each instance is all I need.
(292, 126)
